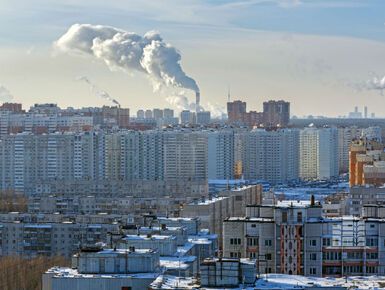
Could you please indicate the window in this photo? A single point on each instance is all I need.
(313, 271)
(235, 254)
(268, 243)
(371, 256)
(313, 243)
(268, 256)
(284, 217)
(299, 217)
(253, 225)
(371, 242)
(235, 241)
(326, 242)
(126, 288)
(252, 241)
(313, 256)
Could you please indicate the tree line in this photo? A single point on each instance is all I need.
(17, 273)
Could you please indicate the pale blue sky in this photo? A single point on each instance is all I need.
(311, 52)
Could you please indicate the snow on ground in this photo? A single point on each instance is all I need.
(281, 281)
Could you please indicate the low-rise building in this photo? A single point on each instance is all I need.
(165, 245)
(213, 211)
(227, 272)
(113, 269)
(50, 239)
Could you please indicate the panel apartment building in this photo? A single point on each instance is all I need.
(294, 238)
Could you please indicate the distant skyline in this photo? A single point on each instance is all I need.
(317, 54)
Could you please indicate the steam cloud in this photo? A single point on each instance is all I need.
(97, 92)
(377, 84)
(216, 111)
(5, 94)
(181, 102)
(128, 51)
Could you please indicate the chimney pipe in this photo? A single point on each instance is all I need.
(197, 101)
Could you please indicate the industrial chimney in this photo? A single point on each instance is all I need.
(197, 101)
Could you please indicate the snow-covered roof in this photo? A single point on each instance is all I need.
(249, 219)
(64, 272)
(172, 282)
(181, 262)
(152, 237)
(293, 203)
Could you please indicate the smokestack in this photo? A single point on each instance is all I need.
(197, 101)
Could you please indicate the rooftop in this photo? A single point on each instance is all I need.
(64, 272)
(172, 282)
(293, 203)
(208, 201)
(149, 237)
(249, 219)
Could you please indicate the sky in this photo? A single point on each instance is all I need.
(317, 54)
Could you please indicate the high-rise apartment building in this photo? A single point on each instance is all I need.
(157, 114)
(152, 155)
(276, 114)
(187, 117)
(345, 138)
(318, 153)
(140, 114)
(168, 113)
(272, 155)
(236, 111)
(148, 114)
(220, 153)
(121, 156)
(185, 155)
(203, 117)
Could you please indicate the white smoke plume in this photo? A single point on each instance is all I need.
(377, 84)
(216, 110)
(128, 51)
(181, 102)
(5, 94)
(98, 92)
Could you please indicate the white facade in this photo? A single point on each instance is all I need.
(327, 153)
(221, 155)
(105, 269)
(318, 153)
(165, 245)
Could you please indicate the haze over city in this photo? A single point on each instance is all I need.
(190, 145)
(325, 57)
